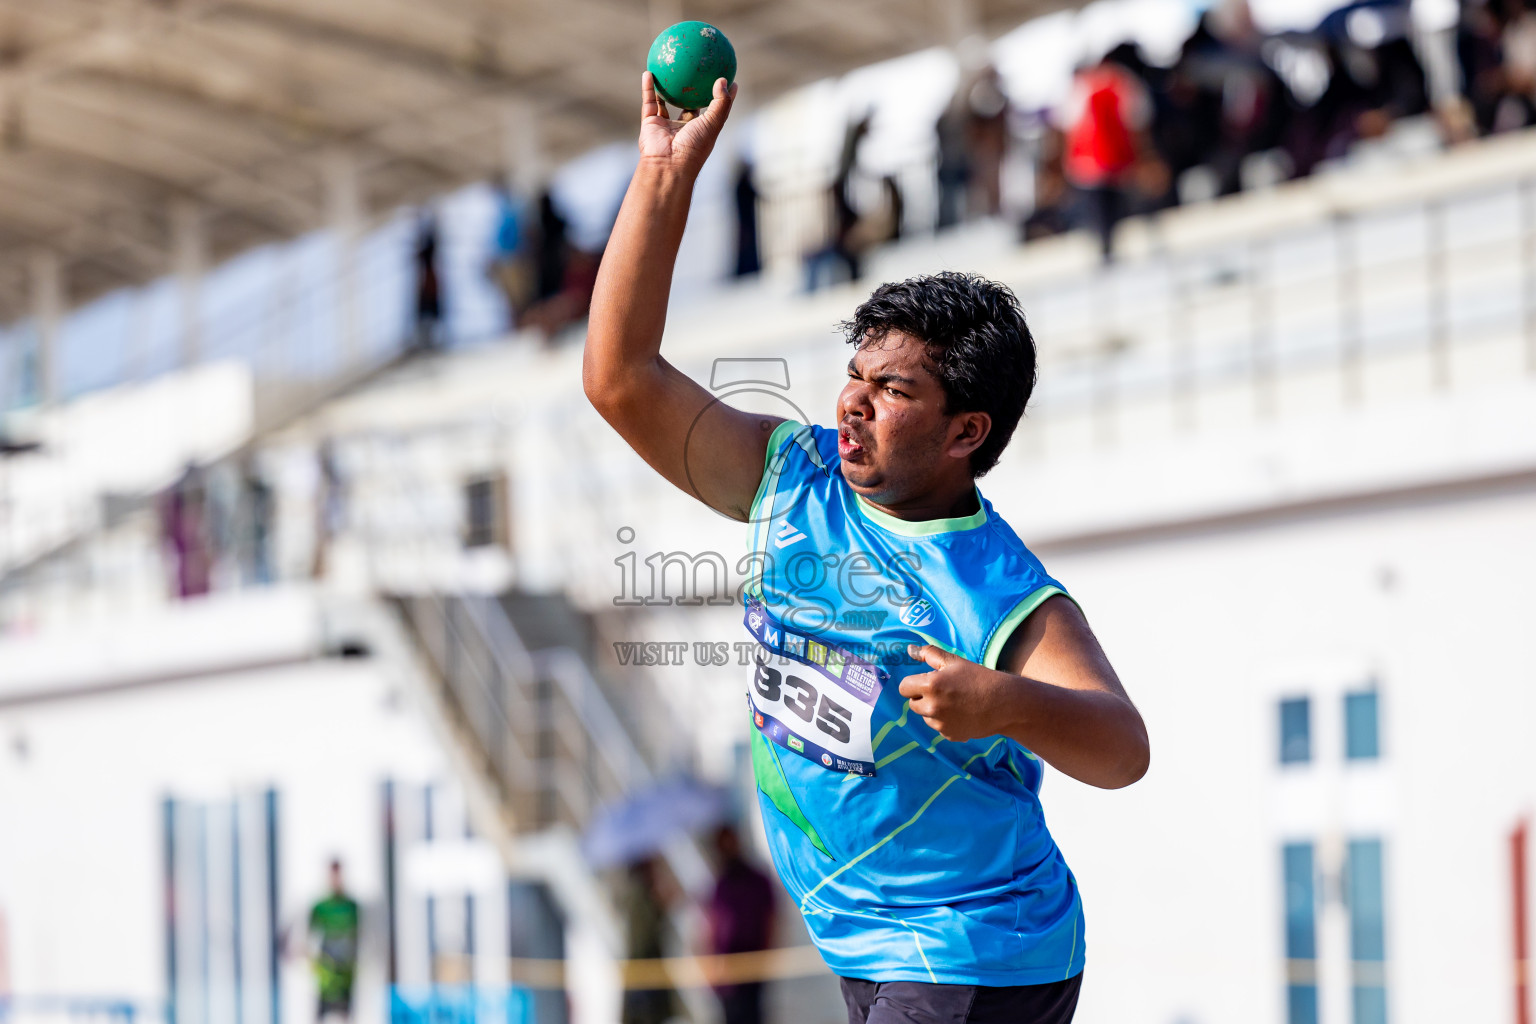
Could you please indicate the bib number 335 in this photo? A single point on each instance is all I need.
(800, 698)
(811, 717)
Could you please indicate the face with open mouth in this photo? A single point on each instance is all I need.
(894, 436)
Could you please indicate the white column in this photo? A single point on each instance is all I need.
(960, 26)
(47, 280)
(344, 215)
(522, 147)
(190, 257)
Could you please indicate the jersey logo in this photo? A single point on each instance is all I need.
(787, 535)
(916, 612)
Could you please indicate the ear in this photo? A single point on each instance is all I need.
(967, 432)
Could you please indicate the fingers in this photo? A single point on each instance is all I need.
(720, 103)
(915, 688)
(924, 702)
(930, 655)
(650, 103)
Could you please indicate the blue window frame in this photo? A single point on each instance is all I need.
(1300, 933)
(1295, 731)
(1362, 733)
(1364, 895)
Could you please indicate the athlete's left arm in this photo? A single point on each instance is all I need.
(1054, 691)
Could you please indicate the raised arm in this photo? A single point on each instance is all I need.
(706, 448)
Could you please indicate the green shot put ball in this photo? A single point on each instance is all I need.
(686, 59)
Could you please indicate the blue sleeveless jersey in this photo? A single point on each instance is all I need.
(913, 858)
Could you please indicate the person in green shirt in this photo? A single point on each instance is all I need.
(333, 935)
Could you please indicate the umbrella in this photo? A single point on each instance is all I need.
(649, 819)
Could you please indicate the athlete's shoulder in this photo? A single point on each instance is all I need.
(1015, 555)
(800, 458)
(794, 443)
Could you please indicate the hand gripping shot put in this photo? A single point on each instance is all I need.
(898, 767)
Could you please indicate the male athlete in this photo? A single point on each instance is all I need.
(898, 766)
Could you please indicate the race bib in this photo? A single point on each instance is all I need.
(810, 697)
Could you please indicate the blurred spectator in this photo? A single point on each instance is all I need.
(184, 525)
(893, 209)
(740, 921)
(1325, 129)
(1480, 52)
(843, 252)
(221, 485)
(1517, 108)
(848, 157)
(1375, 78)
(645, 917)
(881, 224)
(552, 249)
(972, 135)
(565, 277)
(748, 257)
(1052, 213)
(845, 243)
(510, 266)
(1106, 117)
(256, 501)
(1186, 114)
(986, 138)
(333, 931)
(847, 163)
(429, 305)
(330, 505)
(954, 167)
(1240, 104)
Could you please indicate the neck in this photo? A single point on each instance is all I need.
(953, 501)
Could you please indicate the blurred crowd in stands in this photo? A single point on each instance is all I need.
(219, 524)
(1242, 106)
(545, 278)
(1237, 108)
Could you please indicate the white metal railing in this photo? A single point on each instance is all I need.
(1293, 301)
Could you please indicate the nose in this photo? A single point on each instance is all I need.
(855, 400)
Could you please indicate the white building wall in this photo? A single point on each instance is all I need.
(83, 778)
(1181, 873)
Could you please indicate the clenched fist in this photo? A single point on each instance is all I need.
(959, 699)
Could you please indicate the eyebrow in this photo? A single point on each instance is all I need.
(884, 378)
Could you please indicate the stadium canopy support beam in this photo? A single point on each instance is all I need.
(344, 215)
(523, 148)
(47, 273)
(960, 23)
(189, 246)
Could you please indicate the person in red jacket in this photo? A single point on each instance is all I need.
(1106, 119)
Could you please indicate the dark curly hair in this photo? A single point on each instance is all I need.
(979, 346)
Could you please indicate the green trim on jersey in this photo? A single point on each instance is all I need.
(769, 482)
(1021, 611)
(770, 779)
(924, 527)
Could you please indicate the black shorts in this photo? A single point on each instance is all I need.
(915, 1002)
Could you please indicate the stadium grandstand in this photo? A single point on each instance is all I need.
(344, 648)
